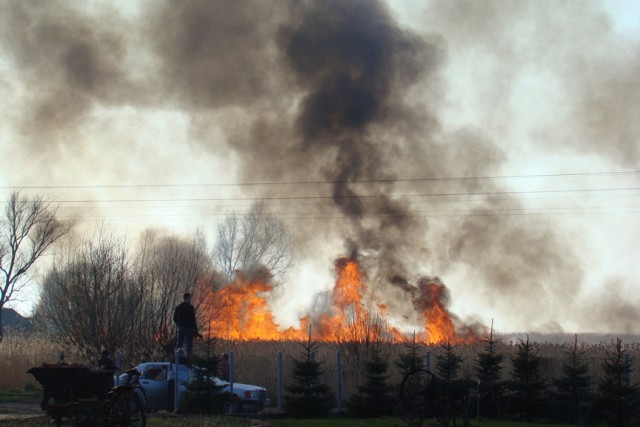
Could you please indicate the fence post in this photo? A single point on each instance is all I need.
(231, 372)
(339, 371)
(478, 402)
(280, 382)
(428, 361)
(117, 368)
(627, 369)
(176, 382)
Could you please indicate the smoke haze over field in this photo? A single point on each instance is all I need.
(493, 145)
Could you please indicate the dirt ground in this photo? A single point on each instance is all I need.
(20, 408)
(18, 411)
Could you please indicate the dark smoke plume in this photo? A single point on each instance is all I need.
(356, 69)
(354, 66)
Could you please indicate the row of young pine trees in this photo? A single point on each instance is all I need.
(574, 398)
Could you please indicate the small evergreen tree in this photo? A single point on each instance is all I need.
(617, 399)
(411, 360)
(448, 362)
(454, 392)
(203, 395)
(205, 355)
(308, 396)
(489, 366)
(526, 386)
(574, 395)
(374, 396)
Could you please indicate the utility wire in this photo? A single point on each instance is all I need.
(437, 214)
(369, 201)
(272, 183)
(363, 196)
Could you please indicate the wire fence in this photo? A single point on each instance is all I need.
(261, 371)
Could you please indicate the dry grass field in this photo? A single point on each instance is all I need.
(256, 362)
(20, 352)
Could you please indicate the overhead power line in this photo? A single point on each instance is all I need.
(360, 196)
(288, 202)
(411, 214)
(364, 181)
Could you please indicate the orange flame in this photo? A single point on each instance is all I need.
(429, 302)
(240, 311)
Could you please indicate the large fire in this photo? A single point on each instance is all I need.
(240, 311)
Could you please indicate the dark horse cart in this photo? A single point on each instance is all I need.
(81, 396)
(426, 397)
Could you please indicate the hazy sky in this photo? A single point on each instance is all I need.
(493, 144)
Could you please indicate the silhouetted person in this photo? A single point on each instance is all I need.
(185, 318)
(105, 361)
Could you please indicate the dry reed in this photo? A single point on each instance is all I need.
(256, 362)
(18, 353)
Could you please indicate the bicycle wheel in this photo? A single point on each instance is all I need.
(126, 410)
(419, 396)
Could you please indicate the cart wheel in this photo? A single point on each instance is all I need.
(78, 415)
(126, 410)
(419, 396)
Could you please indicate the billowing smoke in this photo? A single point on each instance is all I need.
(67, 64)
(340, 100)
(354, 67)
(216, 54)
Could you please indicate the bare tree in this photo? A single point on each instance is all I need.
(105, 296)
(91, 300)
(256, 238)
(168, 267)
(29, 227)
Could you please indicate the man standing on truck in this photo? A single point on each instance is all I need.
(184, 317)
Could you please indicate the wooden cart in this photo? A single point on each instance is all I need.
(81, 396)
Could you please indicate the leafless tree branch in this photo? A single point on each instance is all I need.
(29, 227)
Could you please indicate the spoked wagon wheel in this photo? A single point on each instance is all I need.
(126, 410)
(78, 415)
(419, 396)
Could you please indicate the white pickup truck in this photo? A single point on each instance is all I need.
(154, 379)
